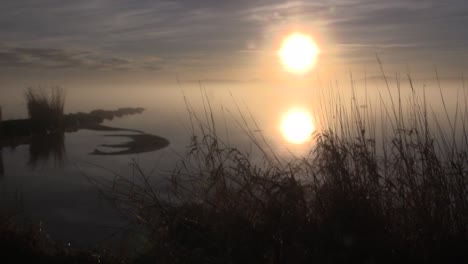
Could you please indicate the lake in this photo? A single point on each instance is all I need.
(49, 180)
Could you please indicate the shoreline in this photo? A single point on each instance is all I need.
(18, 132)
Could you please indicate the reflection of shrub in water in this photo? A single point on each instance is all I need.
(47, 146)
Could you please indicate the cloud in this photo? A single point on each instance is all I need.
(20, 57)
(124, 34)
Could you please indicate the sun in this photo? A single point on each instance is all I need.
(298, 53)
(297, 126)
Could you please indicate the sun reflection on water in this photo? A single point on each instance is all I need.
(297, 126)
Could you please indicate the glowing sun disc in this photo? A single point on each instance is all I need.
(298, 53)
(297, 127)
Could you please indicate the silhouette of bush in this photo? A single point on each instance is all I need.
(45, 108)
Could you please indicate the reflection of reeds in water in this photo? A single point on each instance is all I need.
(45, 109)
(47, 147)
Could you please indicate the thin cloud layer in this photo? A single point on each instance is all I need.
(43, 58)
(118, 34)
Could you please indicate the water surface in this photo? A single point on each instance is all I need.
(49, 179)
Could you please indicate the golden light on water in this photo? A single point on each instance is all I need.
(298, 53)
(297, 126)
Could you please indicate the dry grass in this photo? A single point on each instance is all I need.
(356, 198)
(45, 107)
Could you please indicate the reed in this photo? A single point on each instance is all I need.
(357, 197)
(45, 107)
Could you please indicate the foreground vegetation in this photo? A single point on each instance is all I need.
(24, 242)
(401, 196)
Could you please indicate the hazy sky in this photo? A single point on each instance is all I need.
(225, 40)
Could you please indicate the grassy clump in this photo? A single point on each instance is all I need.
(45, 109)
(355, 198)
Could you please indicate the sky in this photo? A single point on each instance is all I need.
(226, 41)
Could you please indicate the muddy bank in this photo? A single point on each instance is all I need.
(23, 131)
(14, 129)
(139, 143)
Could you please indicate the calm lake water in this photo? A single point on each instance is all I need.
(49, 179)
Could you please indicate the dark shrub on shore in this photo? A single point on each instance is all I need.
(45, 107)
